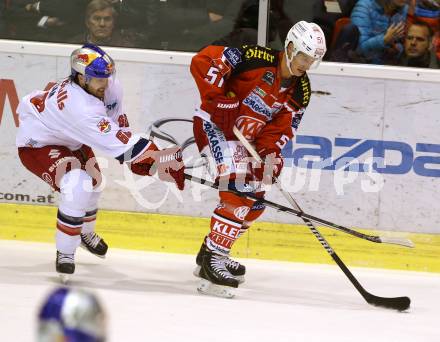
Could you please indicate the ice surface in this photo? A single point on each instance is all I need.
(153, 297)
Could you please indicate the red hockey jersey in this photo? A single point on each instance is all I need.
(271, 108)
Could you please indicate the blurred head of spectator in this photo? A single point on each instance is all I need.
(418, 44)
(392, 6)
(101, 26)
(100, 21)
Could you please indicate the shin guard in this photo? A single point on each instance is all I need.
(227, 221)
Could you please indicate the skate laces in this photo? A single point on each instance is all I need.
(66, 258)
(218, 264)
(232, 264)
(91, 239)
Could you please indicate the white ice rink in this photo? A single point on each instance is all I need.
(152, 297)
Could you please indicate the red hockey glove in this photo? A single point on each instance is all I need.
(272, 166)
(170, 167)
(224, 111)
(167, 162)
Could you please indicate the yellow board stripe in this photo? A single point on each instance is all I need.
(182, 234)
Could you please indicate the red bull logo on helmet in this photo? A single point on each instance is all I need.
(84, 58)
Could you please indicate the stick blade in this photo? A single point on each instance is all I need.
(395, 303)
(397, 241)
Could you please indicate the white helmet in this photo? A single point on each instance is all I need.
(307, 38)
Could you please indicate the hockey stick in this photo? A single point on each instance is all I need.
(302, 214)
(154, 131)
(396, 303)
(282, 208)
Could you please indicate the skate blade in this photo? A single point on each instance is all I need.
(197, 270)
(64, 278)
(210, 289)
(240, 279)
(99, 256)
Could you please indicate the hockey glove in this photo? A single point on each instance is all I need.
(167, 162)
(272, 166)
(224, 111)
(169, 166)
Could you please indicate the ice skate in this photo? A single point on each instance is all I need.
(94, 244)
(65, 266)
(234, 267)
(216, 279)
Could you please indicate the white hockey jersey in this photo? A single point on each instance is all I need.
(67, 115)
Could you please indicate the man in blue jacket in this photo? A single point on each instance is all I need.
(382, 26)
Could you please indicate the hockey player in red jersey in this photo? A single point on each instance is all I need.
(264, 93)
(57, 132)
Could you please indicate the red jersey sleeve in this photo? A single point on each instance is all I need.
(210, 67)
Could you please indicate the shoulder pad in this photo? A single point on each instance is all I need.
(259, 53)
(255, 56)
(300, 93)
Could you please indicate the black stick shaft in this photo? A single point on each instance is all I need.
(292, 211)
(396, 303)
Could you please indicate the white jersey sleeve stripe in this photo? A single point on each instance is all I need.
(135, 151)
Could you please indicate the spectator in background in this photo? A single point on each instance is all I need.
(382, 26)
(100, 23)
(23, 21)
(46, 20)
(418, 45)
(427, 11)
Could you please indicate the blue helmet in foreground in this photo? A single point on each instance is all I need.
(91, 61)
(71, 315)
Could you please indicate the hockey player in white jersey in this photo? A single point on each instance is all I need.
(57, 132)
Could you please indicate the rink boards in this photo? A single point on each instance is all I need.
(349, 117)
(270, 241)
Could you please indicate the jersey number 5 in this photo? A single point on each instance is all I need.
(282, 141)
(213, 75)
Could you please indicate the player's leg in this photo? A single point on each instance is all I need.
(70, 217)
(256, 211)
(90, 240)
(58, 167)
(213, 260)
(225, 226)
